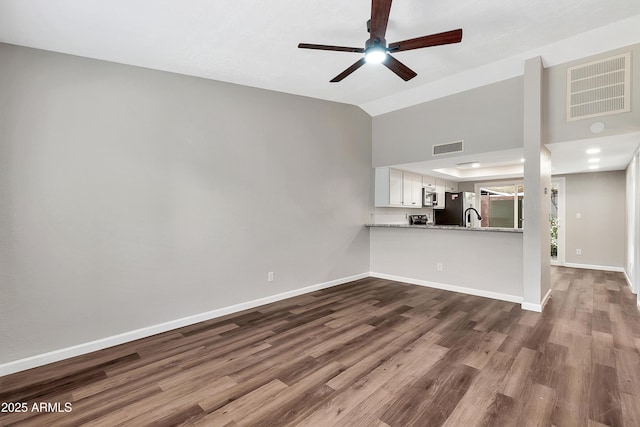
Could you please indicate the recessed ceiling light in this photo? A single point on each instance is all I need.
(522, 160)
(594, 160)
(466, 165)
(594, 167)
(593, 151)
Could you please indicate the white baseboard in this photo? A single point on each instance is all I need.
(84, 348)
(537, 307)
(594, 267)
(532, 307)
(546, 299)
(453, 288)
(626, 276)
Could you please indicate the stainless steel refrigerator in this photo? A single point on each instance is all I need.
(459, 209)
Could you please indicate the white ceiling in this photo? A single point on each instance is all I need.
(254, 43)
(571, 156)
(495, 165)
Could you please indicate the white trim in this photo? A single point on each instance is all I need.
(453, 288)
(626, 276)
(537, 307)
(638, 305)
(595, 267)
(532, 307)
(88, 347)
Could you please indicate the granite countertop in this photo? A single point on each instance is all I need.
(448, 227)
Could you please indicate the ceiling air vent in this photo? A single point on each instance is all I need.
(599, 88)
(449, 147)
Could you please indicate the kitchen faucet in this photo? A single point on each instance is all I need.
(468, 215)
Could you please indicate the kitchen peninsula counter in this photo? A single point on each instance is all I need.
(447, 227)
(478, 261)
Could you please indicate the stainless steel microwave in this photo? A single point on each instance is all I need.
(429, 198)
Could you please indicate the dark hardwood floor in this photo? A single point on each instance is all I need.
(368, 353)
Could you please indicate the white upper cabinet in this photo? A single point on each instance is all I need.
(411, 190)
(451, 186)
(402, 189)
(444, 186)
(441, 186)
(395, 187)
(388, 191)
(429, 183)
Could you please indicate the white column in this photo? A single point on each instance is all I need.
(537, 185)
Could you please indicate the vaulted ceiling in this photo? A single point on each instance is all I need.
(254, 43)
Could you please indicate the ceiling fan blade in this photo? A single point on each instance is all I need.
(348, 71)
(326, 47)
(380, 10)
(404, 72)
(448, 37)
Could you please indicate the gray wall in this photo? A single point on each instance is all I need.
(131, 197)
(600, 233)
(488, 119)
(557, 129)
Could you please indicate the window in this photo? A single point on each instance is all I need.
(501, 204)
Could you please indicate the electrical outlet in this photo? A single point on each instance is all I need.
(578, 251)
(270, 276)
(439, 266)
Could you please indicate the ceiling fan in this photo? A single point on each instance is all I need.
(376, 50)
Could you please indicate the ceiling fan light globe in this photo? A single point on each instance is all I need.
(375, 55)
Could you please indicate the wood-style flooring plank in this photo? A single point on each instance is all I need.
(538, 406)
(377, 358)
(479, 398)
(518, 373)
(630, 409)
(501, 412)
(243, 405)
(573, 404)
(549, 363)
(366, 413)
(627, 363)
(432, 398)
(417, 358)
(604, 396)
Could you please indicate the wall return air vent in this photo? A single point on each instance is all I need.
(599, 88)
(448, 148)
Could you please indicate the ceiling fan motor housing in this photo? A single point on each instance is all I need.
(375, 43)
